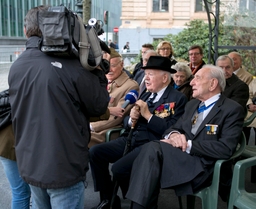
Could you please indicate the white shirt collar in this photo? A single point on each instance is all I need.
(211, 100)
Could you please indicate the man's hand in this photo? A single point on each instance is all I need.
(144, 111)
(135, 113)
(106, 56)
(116, 111)
(177, 140)
(252, 107)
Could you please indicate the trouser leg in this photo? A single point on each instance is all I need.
(121, 169)
(20, 189)
(145, 177)
(100, 157)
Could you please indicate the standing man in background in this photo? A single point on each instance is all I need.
(196, 55)
(137, 72)
(52, 99)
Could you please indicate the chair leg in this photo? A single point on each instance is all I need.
(191, 202)
(180, 202)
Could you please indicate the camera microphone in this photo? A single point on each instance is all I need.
(130, 98)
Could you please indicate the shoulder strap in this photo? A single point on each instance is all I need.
(88, 41)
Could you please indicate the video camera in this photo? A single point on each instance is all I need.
(64, 34)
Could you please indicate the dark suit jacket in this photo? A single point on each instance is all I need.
(139, 76)
(237, 90)
(188, 171)
(185, 88)
(144, 131)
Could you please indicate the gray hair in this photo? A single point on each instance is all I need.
(217, 72)
(224, 57)
(183, 67)
(168, 74)
(153, 52)
(238, 54)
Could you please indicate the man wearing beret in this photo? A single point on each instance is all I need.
(154, 112)
(119, 84)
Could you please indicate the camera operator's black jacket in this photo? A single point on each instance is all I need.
(51, 100)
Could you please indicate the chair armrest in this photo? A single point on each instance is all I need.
(249, 151)
(239, 172)
(113, 130)
(249, 120)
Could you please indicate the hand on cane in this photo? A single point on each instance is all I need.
(143, 108)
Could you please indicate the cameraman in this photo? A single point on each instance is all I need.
(52, 99)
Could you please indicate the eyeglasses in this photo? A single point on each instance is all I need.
(115, 65)
(163, 49)
(196, 53)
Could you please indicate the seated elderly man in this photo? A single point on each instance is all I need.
(235, 89)
(209, 129)
(119, 84)
(154, 112)
(181, 79)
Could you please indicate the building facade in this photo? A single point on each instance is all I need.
(147, 20)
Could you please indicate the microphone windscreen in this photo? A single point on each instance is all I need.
(132, 96)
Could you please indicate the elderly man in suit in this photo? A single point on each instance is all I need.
(235, 89)
(184, 160)
(154, 112)
(119, 84)
(239, 70)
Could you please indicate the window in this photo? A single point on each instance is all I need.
(245, 5)
(160, 5)
(200, 7)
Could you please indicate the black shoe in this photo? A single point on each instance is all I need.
(104, 204)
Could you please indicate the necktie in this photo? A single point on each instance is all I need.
(198, 116)
(151, 99)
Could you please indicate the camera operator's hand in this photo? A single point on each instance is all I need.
(106, 56)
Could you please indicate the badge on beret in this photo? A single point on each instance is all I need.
(164, 110)
(211, 129)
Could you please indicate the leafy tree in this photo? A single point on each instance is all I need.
(230, 34)
(196, 33)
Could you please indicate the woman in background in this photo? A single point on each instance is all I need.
(181, 79)
(164, 48)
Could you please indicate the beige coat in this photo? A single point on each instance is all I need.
(121, 86)
(244, 75)
(252, 91)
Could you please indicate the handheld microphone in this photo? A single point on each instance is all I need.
(130, 98)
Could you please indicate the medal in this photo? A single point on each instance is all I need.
(194, 119)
